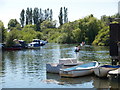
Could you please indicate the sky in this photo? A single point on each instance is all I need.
(10, 9)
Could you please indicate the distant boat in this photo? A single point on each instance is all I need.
(36, 43)
(103, 70)
(79, 70)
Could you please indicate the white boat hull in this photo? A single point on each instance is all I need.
(80, 70)
(114, 72)
(63, 63)
(102, 71)
(55, 68)
(76, 73)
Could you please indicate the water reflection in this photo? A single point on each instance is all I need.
(90, 53)
(0, 68)
(79, 80)
(105, 83)
(27, 68)
(94, 82)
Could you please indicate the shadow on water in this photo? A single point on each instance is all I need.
(92, 80)
(64, 81)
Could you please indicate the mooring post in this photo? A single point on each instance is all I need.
(114, 43)
(119, 52)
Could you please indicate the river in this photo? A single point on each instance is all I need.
(27, 68)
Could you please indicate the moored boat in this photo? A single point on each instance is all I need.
(102, 71)
(114, 72)
(63, 63)
(79, 70)
(53, 68)
(36, 43)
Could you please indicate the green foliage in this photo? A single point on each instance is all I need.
(28, 33)
(2, 32)
(30, 26)
(77, 35)
(13, 23)
(51, 34)
(61, 17)
(27, 16)
(47, 24)
(54, 37)
(14, 34)
(63, 38)
(88, 29)
(65, 15)
(22, 17)
(102, 39)
(39, 35)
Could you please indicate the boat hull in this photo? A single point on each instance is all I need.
(77, 73)
(102, 71)
(80, 70)
(12, 48)
(50, 68)
(114, 72)
(63, 63)
(55, 68)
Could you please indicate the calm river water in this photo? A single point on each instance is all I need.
(27, 68)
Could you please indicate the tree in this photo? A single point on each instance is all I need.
(41, 17)
(35, 15)
(103, 37)
(78, 36)
(36, 18)
(51, 15)
(27, 16)
(47, 14)
(89, 28)
(65, 15)
(61, 17)
(12, 24)
(2, 32)
(30, 16)
(22, 17)
(14, 34)
(48, 24)
(28, 33)
(105, 19)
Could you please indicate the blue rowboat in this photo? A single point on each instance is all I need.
(79, 70)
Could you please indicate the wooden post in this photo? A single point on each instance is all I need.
(119, 52)
(114, 39)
